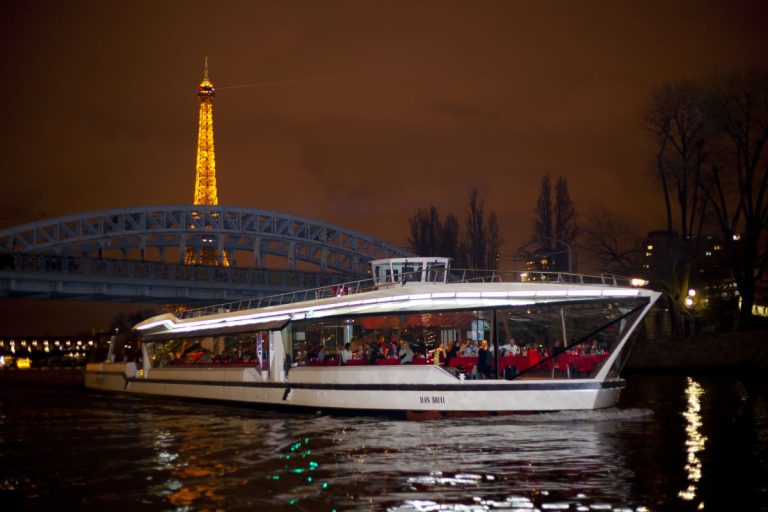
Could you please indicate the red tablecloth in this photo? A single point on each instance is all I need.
(467, 363)
(582, 363)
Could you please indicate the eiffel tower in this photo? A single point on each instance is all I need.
(205, 179)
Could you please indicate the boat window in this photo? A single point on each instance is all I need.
(583, 336)
(402, 270)
(449, 335)
(316, 342)
(383, 274)
(410, 273)
(407, 272)
(436, 272)
(233, 349)
(563, 341)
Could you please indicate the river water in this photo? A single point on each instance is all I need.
(676, 442)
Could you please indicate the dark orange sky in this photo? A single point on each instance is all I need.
(356, 113)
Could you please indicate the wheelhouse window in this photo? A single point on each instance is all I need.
(408, 270)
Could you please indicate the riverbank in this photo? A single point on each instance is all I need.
(742, 350)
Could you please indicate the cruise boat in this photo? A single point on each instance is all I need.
(555, 341)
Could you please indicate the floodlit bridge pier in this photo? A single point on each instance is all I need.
(138, 255)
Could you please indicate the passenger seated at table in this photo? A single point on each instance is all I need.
(381, 345)
(392, 348)
(469, 351)
(377, 353)
(405, 352)
(355, 345)
(510, 348)
(315, 352)
(346, 354)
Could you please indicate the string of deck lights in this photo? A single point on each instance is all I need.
(426, 300)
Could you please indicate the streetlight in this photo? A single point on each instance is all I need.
(690, 303)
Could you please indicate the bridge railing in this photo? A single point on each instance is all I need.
(364, 285)
(45, 263)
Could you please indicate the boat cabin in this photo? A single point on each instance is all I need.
(401, 271)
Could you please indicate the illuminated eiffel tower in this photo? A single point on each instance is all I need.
(205, 178)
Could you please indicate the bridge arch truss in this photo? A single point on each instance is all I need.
(160, 233)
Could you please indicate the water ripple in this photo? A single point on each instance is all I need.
(71, 449)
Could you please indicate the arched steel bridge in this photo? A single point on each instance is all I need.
(137, 254)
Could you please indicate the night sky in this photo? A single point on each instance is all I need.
(355, 113)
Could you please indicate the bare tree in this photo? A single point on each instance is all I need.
(478, 248)
(494, 242)
(554, 227)
(737, 181)
(450, 241)
(676, 119)
(610, 241)
(476, 236)
(426, 232)
(543, 234)
(566, 228)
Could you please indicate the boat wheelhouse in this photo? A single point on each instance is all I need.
(555, 341)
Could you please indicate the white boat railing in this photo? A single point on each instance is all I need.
(365, 285)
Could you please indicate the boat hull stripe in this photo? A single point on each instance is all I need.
(517, 386)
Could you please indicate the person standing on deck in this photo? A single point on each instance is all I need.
(453, 351)
(484, 367)
(438, 355)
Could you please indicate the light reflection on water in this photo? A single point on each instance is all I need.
(71, 449)
(483, 464)
(695, 440)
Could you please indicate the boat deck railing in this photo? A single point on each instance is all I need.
(365, 285)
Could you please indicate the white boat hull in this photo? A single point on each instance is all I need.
(367, 388)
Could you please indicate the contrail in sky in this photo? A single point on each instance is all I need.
(298, 81)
